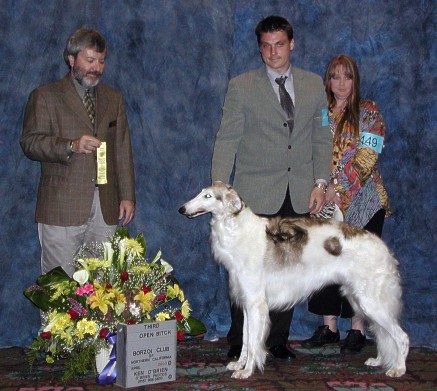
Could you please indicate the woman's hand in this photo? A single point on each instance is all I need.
(332, 196)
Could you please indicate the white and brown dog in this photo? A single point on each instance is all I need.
(274, 263)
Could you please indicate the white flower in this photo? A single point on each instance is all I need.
(167, 266)
(81, 276)
(83, 262)
(108, 251)
(134, 310)
(122, 252)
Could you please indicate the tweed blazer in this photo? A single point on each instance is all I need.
(55, 115)
(254, 139)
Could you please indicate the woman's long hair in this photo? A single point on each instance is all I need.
(345, 64)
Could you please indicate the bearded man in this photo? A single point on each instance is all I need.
(77, 129)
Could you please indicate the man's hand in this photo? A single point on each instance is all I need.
(85, 144)
(317, 200)
(127, 210)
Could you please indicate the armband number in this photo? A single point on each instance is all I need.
(325, 117)
(372, 141)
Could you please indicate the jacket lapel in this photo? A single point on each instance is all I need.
(73, 101)
(101, 106)
(265, 88)
(299, 91)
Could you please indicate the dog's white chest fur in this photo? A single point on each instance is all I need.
(231, 237)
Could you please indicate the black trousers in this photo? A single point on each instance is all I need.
(280, 320)
(329, 300)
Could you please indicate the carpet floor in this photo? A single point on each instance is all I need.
(201, 365)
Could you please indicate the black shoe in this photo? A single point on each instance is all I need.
(322, 336)
(281, 352)
(353, 343)
(234, 351)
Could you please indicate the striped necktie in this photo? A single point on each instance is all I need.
(89, 105)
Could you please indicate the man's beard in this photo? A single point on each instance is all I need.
(81, 76)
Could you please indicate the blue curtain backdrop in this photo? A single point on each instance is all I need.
(172, 59)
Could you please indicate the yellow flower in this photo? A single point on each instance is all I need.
(162, 316)
(79, 334)
(119, 299)
(101, 299)
(175, 291)
(134, 248)
(96, 263)
(62, 288)
(86, 326)
(185, 309)
(141, 269)
(145, 300)
(58, 322)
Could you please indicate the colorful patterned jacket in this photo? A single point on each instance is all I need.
(355, 174)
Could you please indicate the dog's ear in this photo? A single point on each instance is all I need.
(233, 200)
(219, 184)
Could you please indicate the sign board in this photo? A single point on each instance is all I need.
(146, 354)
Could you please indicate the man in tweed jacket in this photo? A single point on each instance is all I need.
(281, 164)
(74, 204)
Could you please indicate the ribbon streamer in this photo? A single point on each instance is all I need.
(172, 304)
(105, 377)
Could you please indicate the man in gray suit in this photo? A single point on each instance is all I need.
(77, 129)
(281, 151)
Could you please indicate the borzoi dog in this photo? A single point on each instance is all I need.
(274, 263)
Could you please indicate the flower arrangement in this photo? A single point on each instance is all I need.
(113, 284)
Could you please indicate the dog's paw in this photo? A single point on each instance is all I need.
(395, 372)
(235, 366)
(373, 362)
(242, 374)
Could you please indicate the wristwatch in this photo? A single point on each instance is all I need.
(70, 149)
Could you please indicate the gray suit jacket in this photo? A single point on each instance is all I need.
(54, 115)
(255, 140)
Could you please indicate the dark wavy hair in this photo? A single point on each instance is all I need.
(82, 39)
(351, 114)
(271, 24)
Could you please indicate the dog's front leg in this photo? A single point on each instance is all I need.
(254, 335)
(241, 362)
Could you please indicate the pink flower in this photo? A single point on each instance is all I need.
(83, 290)
(162, 297)
(146, 289)
(46, 335)
(88, 288)
(178, 316)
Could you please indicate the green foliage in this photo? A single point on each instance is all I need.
(40, 294)
(80, 364)
(196, 327)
